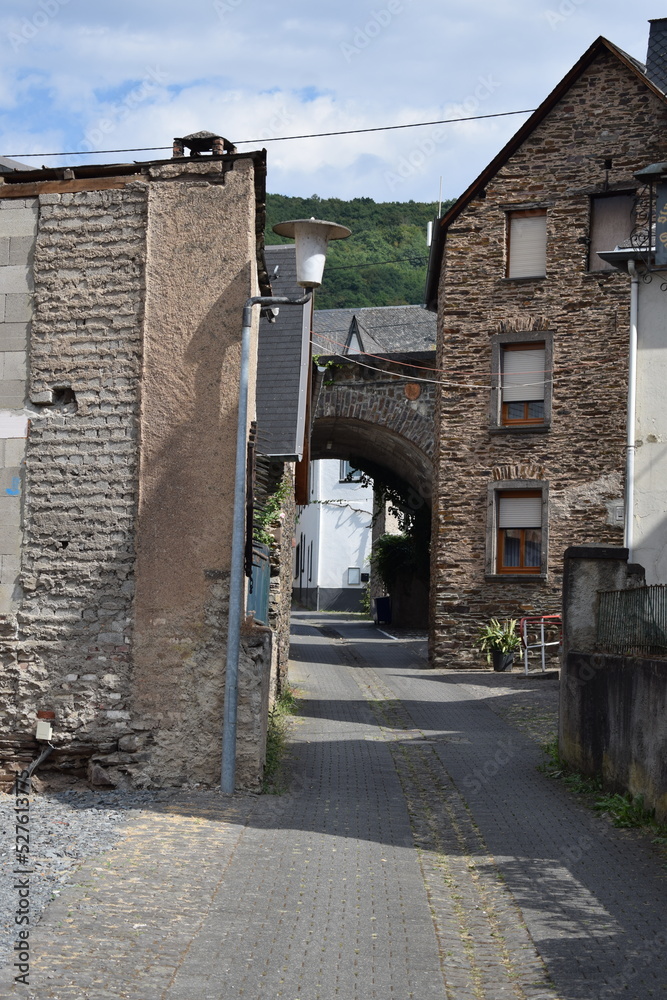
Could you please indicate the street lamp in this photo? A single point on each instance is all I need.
(311, 237)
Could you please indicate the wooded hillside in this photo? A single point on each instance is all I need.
(355, 273)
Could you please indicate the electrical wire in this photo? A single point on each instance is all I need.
(431, 381)
(375, 263)
(285, 138)
(428, 368)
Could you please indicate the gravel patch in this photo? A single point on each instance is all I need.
(66, 828)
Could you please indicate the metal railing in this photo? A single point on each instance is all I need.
(632, 622)
(537, 633)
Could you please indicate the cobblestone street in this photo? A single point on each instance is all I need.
(418, 853)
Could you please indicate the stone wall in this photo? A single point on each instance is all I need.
(608, 114)
(117, 619)
(70, 649)
(613, 709)
(616, 726)
(358, 412)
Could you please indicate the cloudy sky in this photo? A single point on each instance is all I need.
(100, 75)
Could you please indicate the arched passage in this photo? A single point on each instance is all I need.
(347, 438)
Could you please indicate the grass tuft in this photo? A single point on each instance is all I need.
(286, 704)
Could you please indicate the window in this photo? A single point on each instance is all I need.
(519, 532)
(517, 529)
(612, 222)
(348, 474)
(522, 383)
(353, 576)
(527, 243)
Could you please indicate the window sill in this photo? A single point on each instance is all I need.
(523, 281)
(525, 429)
(515, 577)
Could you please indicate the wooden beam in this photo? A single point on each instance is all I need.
(64, 187)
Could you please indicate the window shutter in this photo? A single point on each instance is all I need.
(523, 375)
(611, 223)
(520, 512)
(528, 246)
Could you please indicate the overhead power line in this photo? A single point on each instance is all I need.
(285, 138)
(416, 261)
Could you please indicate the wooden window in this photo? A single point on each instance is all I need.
(523, 382)
(519, 515)
(527, 243)
(612, 222)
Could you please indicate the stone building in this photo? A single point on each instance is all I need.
(533, 337)
(121, 290)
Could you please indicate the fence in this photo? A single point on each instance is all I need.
(259, 584)
(632, 622)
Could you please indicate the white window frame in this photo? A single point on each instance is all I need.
(347, 470)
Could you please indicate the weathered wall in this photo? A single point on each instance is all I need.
(18, 226)
(253, 708)
(117, 620)
(71, 651)
(607, 114)
(617, 724)
(199, 272)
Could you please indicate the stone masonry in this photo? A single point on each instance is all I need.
(604, 127)
(103, 459)
(368, 414)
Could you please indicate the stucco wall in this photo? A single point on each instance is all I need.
(650, 526)
(199, 272)
(608, 114)
(617, 724)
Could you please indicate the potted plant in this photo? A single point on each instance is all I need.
(499, 640)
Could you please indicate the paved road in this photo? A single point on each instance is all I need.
(418, 854)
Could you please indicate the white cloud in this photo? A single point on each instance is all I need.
(135, 73)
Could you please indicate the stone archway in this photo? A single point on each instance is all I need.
(377, 415)
(387, 422)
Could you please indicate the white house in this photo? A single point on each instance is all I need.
(645, 260)
(333, 539)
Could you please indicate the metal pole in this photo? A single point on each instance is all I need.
(632, 394)
(237, 574)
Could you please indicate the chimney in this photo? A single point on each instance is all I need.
(202, 142)
(656, 57)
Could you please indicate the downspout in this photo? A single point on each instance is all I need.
(632, 408)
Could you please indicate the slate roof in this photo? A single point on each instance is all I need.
(283, 363)
(381, 329)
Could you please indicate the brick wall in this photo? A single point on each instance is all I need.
(608, 113)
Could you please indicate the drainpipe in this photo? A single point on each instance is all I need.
(632, 407)
(237, 573)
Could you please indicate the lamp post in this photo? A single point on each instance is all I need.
(311, 237)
